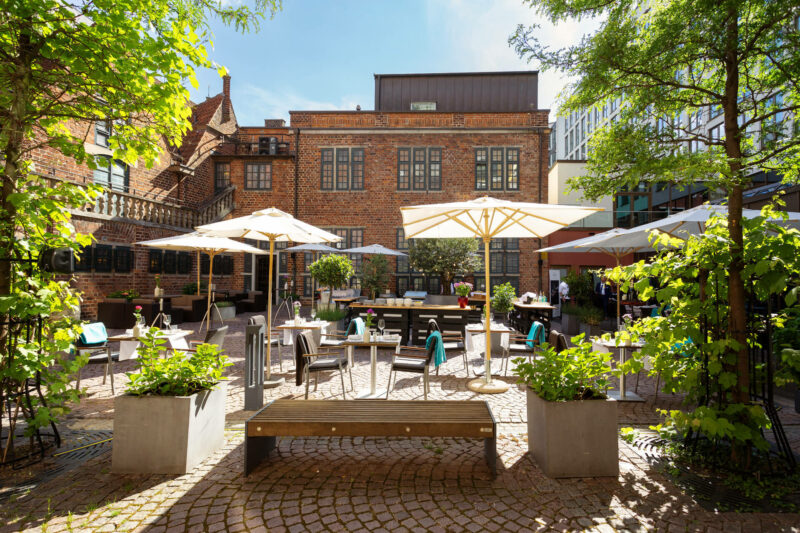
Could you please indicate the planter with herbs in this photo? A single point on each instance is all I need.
(173, 413)
(572, 424)
(227, 309)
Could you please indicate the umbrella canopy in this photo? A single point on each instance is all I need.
(373, 249)
(313, 247)
(269, 225)
(488, 218)
(206, 244)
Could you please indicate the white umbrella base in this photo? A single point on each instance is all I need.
(273, 382)
(480, 386)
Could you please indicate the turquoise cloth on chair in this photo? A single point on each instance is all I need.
(536, 334)
(94, 333)
(439, 356)
(359, 325)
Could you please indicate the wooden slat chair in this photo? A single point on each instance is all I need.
(94, 340)
(321, 360)
(414, 360)
(519, 344)
(452, 342)
(261, 320)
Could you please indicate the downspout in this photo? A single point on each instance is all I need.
(540, 260)
(296, 207)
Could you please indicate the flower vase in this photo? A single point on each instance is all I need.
(366, 334)
(137, 331)
(463, 301)
(297, 320)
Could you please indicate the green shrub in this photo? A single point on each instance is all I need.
(592, 315)
(224, 303)
(191, 288)
(576, 373)
(330, 315)
(580, 287)
(332, 270)
(375, 274)
(177, 374)
(571, 309)
(128, 294)
(503, 298)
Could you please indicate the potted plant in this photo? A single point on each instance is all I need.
(570, 319)
(172, 415)
(128, 294)
(503, 299)
(572, 424)
(331, 271)
(368, 323)
(463, 289)
(334, 316)
(227, 310)
(375, 275)
(591, 317)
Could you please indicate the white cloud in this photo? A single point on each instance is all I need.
(479, 32)
(254, 104)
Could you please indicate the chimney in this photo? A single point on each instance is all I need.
(226, 98)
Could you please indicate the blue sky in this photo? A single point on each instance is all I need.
(317, 54)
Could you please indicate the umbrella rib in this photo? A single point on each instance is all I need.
(446, 215)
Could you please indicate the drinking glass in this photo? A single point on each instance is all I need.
(167, 321)
(381, 325)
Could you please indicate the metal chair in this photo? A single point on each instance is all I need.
(450, 342)
(261, 320)
(94, 340)
(213, 336)
(315, 359)
(414, 360)
(519, 344)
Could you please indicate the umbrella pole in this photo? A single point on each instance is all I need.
(488, 311)
(618, 302)
(210, 278)
(269, 382)
(198, 272)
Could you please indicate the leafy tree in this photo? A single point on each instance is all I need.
(669, 61)
(446, 258)
(375, 274)
(63, 65)
(332, 270)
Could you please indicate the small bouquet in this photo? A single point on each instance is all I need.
(297, 309)
(137, 314)
(370, 317)
(463, 288)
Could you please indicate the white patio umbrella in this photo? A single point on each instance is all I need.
(488, 218)
(269, 225)
(202, 244)
(373, 249)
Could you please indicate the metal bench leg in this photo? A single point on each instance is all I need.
(490, 451)
(256, 449)
(425, 384)
(110, 369)
(389, 385)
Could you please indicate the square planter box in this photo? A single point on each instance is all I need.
(167, 434)
(590, 331)
(227, 313)
(573, 439)
(569, 324)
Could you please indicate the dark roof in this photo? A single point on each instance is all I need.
(514, 91)
(202, 114)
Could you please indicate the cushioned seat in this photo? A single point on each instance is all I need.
(327, 363)
(407, 363)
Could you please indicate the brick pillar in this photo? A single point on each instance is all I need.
(226, 98)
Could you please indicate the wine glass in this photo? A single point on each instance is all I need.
(167, 320)
(381, 325)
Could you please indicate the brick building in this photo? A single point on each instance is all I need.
(431, 138)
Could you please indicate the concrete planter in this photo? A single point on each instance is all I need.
(569, 324)
(227, 313)
(167, 434)
(573, 439)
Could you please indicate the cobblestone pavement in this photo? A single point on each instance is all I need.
(372, 484)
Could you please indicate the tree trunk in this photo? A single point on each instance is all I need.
(446, 282)
(737, 317)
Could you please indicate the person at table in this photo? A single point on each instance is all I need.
(604, 290)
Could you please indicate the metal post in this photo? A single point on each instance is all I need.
(254, 367)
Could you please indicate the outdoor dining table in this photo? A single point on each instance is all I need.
(387, 341)
(475, 340)
(128, 344)
(621, 395)
(291, 331)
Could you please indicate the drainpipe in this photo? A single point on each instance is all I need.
(541, 177)
(296, 195)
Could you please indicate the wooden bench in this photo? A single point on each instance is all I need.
(368, 418)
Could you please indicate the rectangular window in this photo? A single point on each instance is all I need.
(716, 133)
(435, 169)
(423, 106)
(102, 131)
(357, 169)
(419, 169)
(83, 259)
(112, 175)
(169, 263)
(205, 263)
(258, 176)
(123, 259)
(342, 169)
(102, 258)
(512, 169)
(154, 261)
(403, 169)
(326, 169)
(185, 262)
(222, 176)
(714, 111)
(481, 169)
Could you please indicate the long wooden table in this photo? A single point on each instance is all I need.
(528, 313)
(368, 418)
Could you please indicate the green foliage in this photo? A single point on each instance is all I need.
(128, 294)
(191, 288)
(178, 374)
(592, 315)
(332, 270)
(224, 303)
(446, 258)
(503, 298)
(580, 287)
(463, 288)
(331, 314)
(677, 345)
(375, 274)
(576, 373)
(571, 309)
